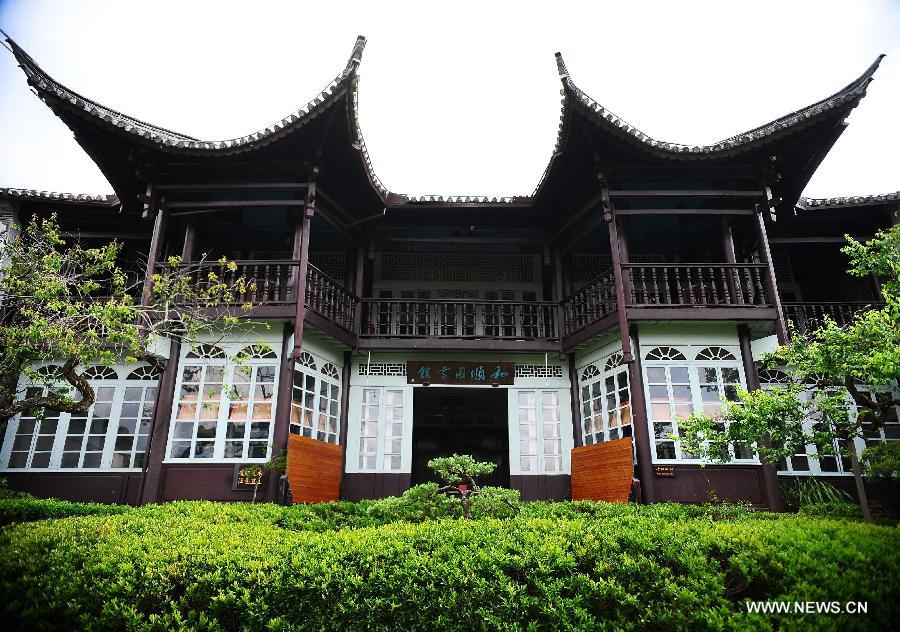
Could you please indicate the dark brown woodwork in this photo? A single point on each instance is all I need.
(603, 471)
(707, 193)
(765, 256)
(151, 485)
(642, 444)
(692, 284)
(301, 250)
(190, 238)
(232, 186)
(282, 428)
(156, 250)
(592, 204)
(701, 313)
(685, 211)
(459, 344)
(771, 488)
(346, 376)
(226, 204)
(618, 277)
(343, 214)
(265, 283)
(809, 316)
(314, 470)
(575, 395)
(328, 298)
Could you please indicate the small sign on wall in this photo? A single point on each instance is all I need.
(247, 476)
(461, 373)
(664, 471)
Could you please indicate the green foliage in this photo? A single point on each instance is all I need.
(882, 460)
(804, 492)
(460, 469)
(841, 510)
(25, 508)
(203, 565)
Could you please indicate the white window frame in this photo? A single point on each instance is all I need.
(119, 384)
(564, 430)
(320, 378)
(693, 366)
(609, 367)
(354, 430)
(229, 364)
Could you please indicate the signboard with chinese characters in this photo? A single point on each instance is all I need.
(460, 372)
(247, 477)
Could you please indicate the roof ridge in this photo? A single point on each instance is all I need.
(849, 200)
(36, 194)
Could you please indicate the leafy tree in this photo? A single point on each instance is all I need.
(459, 473)
(61, 302)
(852, 366)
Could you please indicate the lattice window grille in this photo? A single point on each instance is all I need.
(383, 369)
(586, 267)
(206, 352)
(715, 353)
(331, 263)
(784, 272)
(665, 353)
(457, 267)
(539, 370)
(144, 373)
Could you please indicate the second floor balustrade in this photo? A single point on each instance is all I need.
(423, 318)
(255, 282)
(707, 285)
(808, 316)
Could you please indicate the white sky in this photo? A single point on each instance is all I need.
(455, 98)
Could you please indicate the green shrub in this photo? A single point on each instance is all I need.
(831, 510)
(231, 567)
(811, 491)
(29, 509)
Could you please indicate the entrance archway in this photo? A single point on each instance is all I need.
(461, 421)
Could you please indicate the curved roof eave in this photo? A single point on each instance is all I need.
(168, 140)
(847, 96)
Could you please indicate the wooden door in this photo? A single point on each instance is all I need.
(603, 471)
(314, 470)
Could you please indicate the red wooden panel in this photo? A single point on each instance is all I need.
(313, 470)
(602, 471)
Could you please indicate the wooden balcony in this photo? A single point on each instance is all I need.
(265, 282)
(330, 299)
(696, 285)
(421, 323)
(809, 316)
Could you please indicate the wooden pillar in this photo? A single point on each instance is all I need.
(577, 432)
(190, 239)
(345, 411)
(359, 269)
(765, 256)
(558, 295)
(640, 430)
(282, 429)
(771, 488)
(730, 257)
(151, 485)
(156, 248)
(301, 252)
(618, 272)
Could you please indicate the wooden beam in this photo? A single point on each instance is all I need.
(585, 209)
(334, 205)
(282, 429)
(639, 427)
(234, 204)
(156, 248)
(765, 256)
(619, 276)
(685, 211)
(190, 239)
(84, 234)
(460, 240)
(461, 344)
(575, 394)
(709, 193)
(813, 240)
(233, 186)
(586, 232)
(301, 252)
(332, 221)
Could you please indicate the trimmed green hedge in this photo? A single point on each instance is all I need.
(30, 509)
(203, 565)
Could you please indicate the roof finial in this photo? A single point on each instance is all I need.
(356, 55)
(561, 67)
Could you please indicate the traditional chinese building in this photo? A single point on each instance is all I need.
(640, 281)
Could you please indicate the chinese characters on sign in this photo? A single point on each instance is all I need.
(467, 373)
(248, 476)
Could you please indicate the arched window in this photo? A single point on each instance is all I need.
(589, 373)
(206, 352)
(773, 376)
(665, 353)
(50, 372)
(715, 353)
(144, 373)
(306, 360)
(331, 371)
(100, 373)
(257, 352)
(614, 361)
(605, 401)
(316, 399)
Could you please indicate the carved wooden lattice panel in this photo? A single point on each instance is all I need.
(313, 470)
(602, 471)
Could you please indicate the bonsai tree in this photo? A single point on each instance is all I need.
(459, 473)
(64, 303)
(854, 366)
(278, 463)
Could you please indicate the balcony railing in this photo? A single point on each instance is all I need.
(265, 282)
(421, 318)
(329, 299)
(595, 300)
(809, 316)
(695, 284)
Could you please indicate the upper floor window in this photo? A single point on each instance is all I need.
(225, 404)
(112, 434)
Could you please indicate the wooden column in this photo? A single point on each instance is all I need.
(151, 485)
(156, 248)
(730, 257)
(577, 432)
(359, 270)
(642, 444)
(618, 272)
(771, 488)
(559, 294)
(765, 256)
(282, 429)
(190, 239)
(345, 411)
(301, 253)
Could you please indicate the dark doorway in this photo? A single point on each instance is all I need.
(460, 421)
